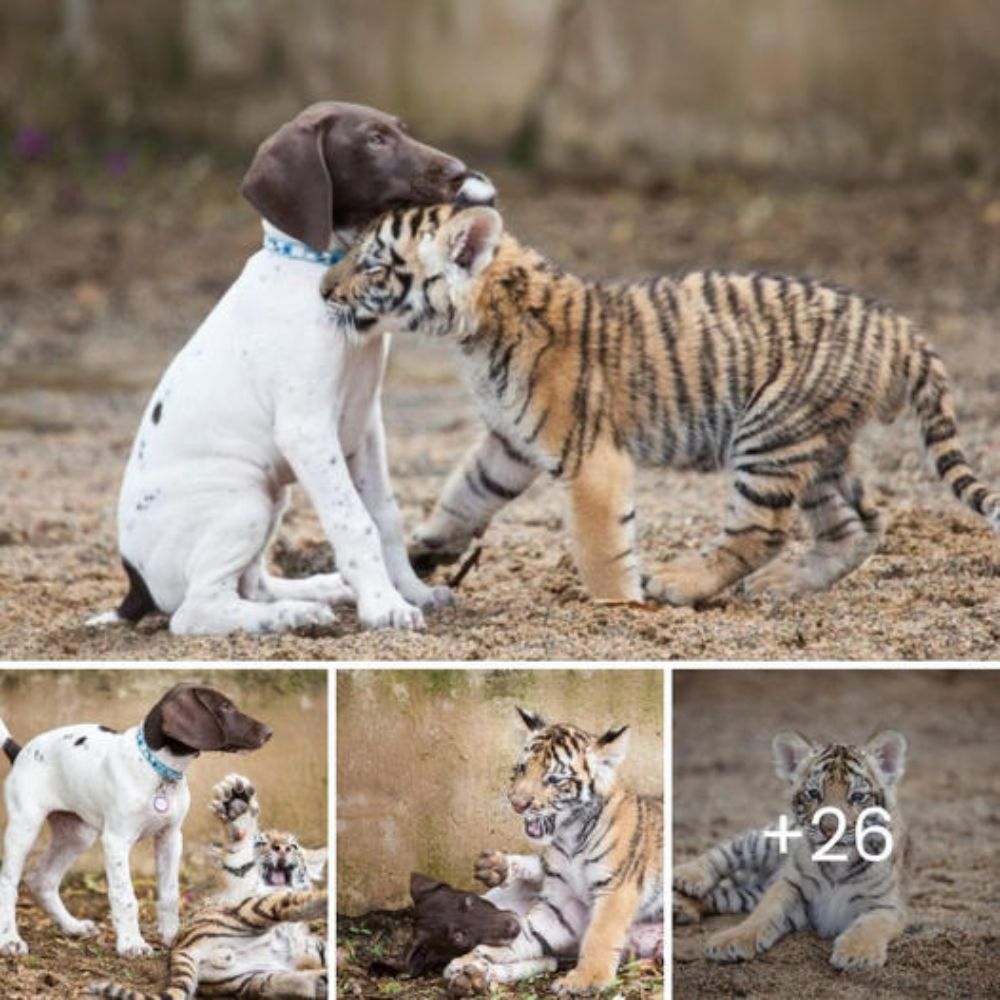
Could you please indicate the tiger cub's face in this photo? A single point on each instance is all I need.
(849, 778)
(562, 771)
(412, 269)
(281, 860)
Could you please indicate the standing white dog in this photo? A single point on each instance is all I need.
(266, 393)
(87, 780)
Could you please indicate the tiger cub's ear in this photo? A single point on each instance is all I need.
(790, 749)
(530, 719)
(315, 862)
(887, 748)
(469, 238)
(613, 745)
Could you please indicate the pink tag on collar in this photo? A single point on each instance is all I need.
(161, 803)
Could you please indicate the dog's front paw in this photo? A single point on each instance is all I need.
(134, 948)
(79, 928)
(168, 930)
(430, 598)
(13, 945)
(491, 868)
(299, 614)
(468, 980)
(391, 612)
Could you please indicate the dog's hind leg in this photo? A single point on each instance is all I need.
(70, 838)
(23, 827)
(231, 544)
(329, 588)
(257, 584)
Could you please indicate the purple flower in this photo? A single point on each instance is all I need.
(32, 143)
(118, 163)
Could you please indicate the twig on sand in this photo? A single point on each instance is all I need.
(471, 562)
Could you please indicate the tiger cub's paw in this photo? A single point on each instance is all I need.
(857, 948)
(686, 910)
(780, 580)
(491, 868)
(427, 551)
(737, 944)
(693, 879)
(234, 801)
(682, 582)
(471, 979)
(577, 983)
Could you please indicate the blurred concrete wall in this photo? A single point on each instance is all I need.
(633, 89)
(423, 758)
(289, 771)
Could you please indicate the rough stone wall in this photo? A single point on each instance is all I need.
(423, 759)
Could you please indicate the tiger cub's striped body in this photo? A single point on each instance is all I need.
(857, 901)
(598, 881)
(770, 376)
(251, 940)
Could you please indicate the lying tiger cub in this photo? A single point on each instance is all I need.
(597, 886)
(856, 901)
(769, 376)
(251, 940)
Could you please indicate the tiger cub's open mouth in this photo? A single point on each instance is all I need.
(539, 826)
(280, 874)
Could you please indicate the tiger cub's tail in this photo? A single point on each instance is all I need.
(929, 393)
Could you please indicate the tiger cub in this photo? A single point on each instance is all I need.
(856, 901)
(251, 939)
(769, 376)
(599, 878)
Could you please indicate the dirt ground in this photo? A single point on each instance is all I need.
(61, 967)
(949, 796)
(102, 280)
(382, 939)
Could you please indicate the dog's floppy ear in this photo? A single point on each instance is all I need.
(190, 719)
(420, 957)
(289, 181)
(420, 885)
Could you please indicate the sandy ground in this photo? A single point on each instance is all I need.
(949, 796)
(100, 283)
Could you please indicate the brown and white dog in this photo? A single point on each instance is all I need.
(88, 780)
(266, 394)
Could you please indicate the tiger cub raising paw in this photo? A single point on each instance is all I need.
(769, 376)
(597, 886)
(251, 940)
(856, 901)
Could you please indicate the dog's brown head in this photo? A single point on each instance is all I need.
(190, 718)
(335, 167)
(450, 922)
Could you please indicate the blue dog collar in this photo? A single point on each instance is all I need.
(165, 772)
(287, 247)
